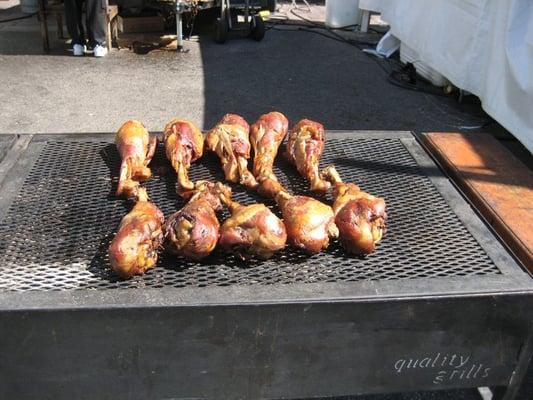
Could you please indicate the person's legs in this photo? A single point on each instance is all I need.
(96, 21)
(73, 15)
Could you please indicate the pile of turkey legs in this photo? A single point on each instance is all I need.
(356, 218)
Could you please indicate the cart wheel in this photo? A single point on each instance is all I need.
(220, 33)
(257, 28)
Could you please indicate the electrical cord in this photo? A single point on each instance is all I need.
(313, 28)
(397, 74)
(305, 29)
(282, 21)
(302, 17)
(400, 76)
(306, 3)
(332, 30)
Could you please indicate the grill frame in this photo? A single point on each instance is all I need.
(513, 278)
(203, 334)
(6, 142)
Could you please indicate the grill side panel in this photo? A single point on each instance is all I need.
(247, 352)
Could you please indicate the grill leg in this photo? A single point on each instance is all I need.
(179, 33)
(44, 26)
(510, 392)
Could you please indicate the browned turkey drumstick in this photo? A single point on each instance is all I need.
(266, 135)
(304, 149)
(136, 150)
(252, 230)
(310, 224)
(133, 250)
(184, 144)
(193, 231)
(229, 140)
(359, 216)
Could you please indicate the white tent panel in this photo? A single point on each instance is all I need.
(482, 46)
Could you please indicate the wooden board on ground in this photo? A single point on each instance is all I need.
(150, 41)
(499, 185)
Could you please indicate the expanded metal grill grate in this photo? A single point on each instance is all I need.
(56, 233)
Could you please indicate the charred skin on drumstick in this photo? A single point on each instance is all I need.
(252, 230)
(136, 150)
(310, 223)
(229, 139)
(360, 217)
(134, 248)
(193, 231)
(184, 144)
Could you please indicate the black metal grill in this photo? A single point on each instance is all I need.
(5, 145)
(56, 232)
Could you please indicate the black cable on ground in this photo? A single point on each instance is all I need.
(394, 76)
(305, 29)
(17, 18)
(303, 18)
(403, 76)
(313, 28)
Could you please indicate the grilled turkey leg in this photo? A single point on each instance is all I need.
(266, 135)
(133, 250)
(229, 139)
(252, 230)
(184, 144)
(136, 150)
(193, 231)
(309, 222)
(304, 149)
(359, 216)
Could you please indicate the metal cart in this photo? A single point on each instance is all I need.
(228, 21)
(252, 25)
(183, 6)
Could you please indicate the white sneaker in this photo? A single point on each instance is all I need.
(99, 50)
(79, 49)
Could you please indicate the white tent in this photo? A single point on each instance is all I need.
(482, 46)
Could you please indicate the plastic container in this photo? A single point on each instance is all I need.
(388, 45)
(341, 13)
